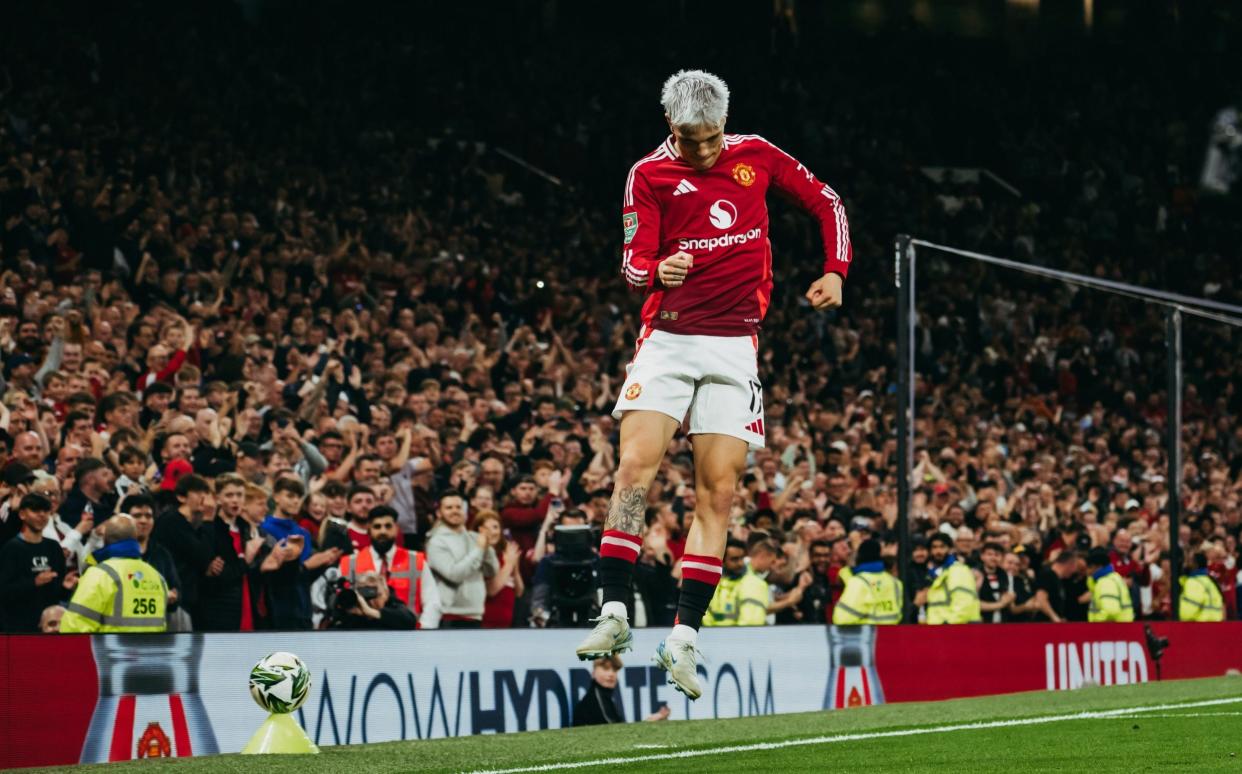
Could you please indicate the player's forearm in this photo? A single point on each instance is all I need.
(639, 269)
(822, 202)
(835, 230)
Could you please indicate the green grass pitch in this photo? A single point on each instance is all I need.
(1019, 733)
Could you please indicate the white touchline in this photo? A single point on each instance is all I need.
(1185, 715)
(863, 736)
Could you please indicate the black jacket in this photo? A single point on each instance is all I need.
(21, 601)
(158, 557)
(191, 553)
(220, 596)
(598, 706)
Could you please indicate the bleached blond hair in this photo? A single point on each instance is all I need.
(695, 98)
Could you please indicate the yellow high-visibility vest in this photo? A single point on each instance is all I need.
(1110, 599)
(1201, 600)
(117, 595)
(953, 597)
(869, 598)
(740, 602)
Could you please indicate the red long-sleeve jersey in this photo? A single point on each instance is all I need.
(720, 216)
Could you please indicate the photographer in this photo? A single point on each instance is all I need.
(403, 570)
(564, 581)
(371, 605)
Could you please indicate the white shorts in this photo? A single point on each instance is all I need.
(714, 378)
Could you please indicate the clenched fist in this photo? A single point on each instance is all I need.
(672, 270)
(825, 292)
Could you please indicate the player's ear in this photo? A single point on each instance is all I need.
(669, 121)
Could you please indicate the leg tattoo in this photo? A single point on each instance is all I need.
(620, 546)
(628, 510)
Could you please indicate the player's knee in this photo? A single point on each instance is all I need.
(718, 495)
(635, 468)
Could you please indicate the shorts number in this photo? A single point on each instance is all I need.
(756, 395)
(144, 606)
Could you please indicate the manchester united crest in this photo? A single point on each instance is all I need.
(744, 175)
(634, 391)
(154, 743)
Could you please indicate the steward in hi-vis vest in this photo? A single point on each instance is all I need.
(1110, 596)
(871, 595)
(118, 592)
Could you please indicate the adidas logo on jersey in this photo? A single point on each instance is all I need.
(684, 187)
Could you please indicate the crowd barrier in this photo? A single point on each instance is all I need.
(65, 699)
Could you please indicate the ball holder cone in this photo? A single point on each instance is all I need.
(280, 734)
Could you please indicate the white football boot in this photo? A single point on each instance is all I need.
(680, 660)
(611, 635)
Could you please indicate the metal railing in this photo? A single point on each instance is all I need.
(1176, 305)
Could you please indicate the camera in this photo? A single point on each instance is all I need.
(341, 598)
(573, 598)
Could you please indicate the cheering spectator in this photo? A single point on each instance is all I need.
(1024, 605)
(354, 537)
(15, 481)
(817, 599)
(91, 496)
(461, 561)
(226, 599)
(32, 569)
(1127, 559)
(525, 510)
(995, 594)
(72, 539)
(411, 491)
(194, 557)
(293, 562)
(506, 585)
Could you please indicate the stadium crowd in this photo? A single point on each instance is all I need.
(286, 338)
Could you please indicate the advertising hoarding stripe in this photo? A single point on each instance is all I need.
(123, 730)
(181, 732)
